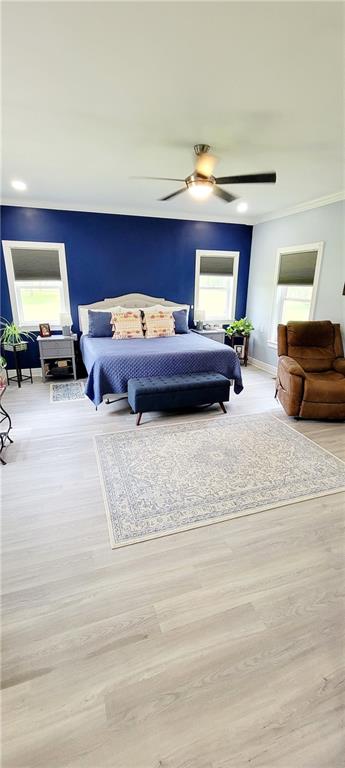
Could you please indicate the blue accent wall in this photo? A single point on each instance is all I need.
(109, 254)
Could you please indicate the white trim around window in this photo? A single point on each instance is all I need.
(8, 245)
(235, 255)
(319, 246)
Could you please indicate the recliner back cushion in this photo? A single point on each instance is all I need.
(311, 344)
(315, 333)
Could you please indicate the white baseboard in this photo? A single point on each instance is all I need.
(263, 366)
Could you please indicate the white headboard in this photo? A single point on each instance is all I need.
(139, 300)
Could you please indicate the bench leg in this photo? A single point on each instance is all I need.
(223, 407)
(139, 418)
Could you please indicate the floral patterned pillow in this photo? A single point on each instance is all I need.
(158, 322)
(127, 323)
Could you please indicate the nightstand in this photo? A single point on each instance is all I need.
(57, 348)
(217, 334)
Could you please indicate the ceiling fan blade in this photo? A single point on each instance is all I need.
(226, 196)
(157, 178)
(173, 194)
(249, 178)
(205, 164)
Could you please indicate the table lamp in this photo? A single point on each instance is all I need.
(66, 322)
(199, 317)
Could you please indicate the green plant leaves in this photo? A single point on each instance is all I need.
(243, 327)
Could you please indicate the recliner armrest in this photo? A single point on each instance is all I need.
(339, 365)
(290, 384)
(291, 366)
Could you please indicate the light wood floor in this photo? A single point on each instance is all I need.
(221, 647)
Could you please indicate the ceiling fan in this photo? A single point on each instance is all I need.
(201, 183)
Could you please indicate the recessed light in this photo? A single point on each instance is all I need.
(20, 186)
(242, 207)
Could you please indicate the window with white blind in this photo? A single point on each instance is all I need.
(296, 280)
(37, 281)
(216, 284)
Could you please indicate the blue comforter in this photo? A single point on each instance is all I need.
(111, 363)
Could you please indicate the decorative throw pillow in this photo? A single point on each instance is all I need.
(158, 322)
(181, 321)
(99, 324)
(127, 323)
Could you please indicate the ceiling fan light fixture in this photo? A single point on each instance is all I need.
(200, 190)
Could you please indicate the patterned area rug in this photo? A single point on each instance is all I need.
(166, 479)
(62, 392)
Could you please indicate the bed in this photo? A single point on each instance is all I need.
(110, 364)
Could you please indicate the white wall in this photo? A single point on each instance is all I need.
(325, 223)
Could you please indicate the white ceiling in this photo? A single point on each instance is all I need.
(97, 92)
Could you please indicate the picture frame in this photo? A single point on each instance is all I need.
(240, 350)
(45, 330)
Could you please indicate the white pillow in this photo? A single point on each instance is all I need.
(173, 308)
(127, 323)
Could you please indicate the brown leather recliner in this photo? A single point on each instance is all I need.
(311, 370)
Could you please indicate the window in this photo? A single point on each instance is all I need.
(216, 284)
(37, 280)
(297, 275)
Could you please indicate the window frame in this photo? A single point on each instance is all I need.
(319, 246)
(235, 255)
(26, 244)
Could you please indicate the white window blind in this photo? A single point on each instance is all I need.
(297, 268)
(216, 265)
(33, 264)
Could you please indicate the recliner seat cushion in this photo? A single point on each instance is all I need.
(327, 387)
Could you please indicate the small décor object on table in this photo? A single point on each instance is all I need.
(14, 340)
(238, 333)
(66, 323)
(45, 330)
(199, 318)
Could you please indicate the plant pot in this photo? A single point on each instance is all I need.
(21, 346)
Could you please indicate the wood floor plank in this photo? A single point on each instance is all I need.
(220, 647)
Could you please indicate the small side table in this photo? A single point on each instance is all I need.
(4, 416)
(217, 334)
(16, 349)
(57, 347)
(241, 345)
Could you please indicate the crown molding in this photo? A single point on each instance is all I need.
(247, 220)
(318, 202)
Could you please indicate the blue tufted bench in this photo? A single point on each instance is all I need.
(162, 393)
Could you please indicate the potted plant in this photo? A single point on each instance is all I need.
(238, 333)
(241, 327)
(12, 338)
